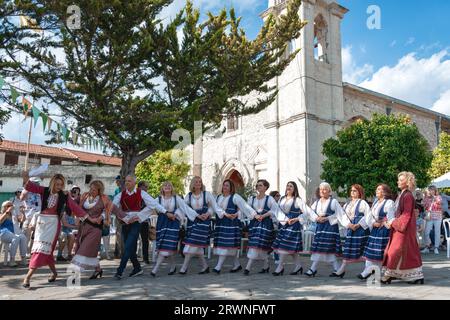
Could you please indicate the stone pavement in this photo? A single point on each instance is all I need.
(225, 286)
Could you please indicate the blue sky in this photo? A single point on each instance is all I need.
(408, 58)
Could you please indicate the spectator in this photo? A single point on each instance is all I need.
(32, 206)
(68, 232)
(420, 224)
(119, 245)
(17, 203)
(8, 236)
(433, 209)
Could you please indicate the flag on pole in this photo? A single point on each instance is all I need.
(26, 106)
(1, 82)
(27, 22)
(36, 113)
(74, 137)
(65, 133)
(14, 94)
(44, 120)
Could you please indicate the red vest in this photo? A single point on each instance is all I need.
(131, 203)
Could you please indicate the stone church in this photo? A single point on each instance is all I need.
(284, 142)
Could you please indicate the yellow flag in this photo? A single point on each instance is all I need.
(27, 22)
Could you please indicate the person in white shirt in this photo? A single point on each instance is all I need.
(130, 201)
(354, 220)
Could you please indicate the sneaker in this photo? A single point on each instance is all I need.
(12, 264)
(436, 251)
(117, 276)
(136, 273)
(426, 250)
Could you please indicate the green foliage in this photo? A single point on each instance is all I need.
(159, 168)
(129, 80)
(247, 191)
(373, 152)
(441, 157)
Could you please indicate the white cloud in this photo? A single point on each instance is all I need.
(422, 81)
(443, 104)
(351, 71)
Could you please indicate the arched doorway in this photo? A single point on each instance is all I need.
(237, 179)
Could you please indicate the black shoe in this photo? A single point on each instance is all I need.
(96, 275)
(52, 278)
(335, 275)
(294, 273)
(26, 285)
(61, 258)
(182, 272)
(204, 271)
(246, 272)
(153, 274)
(146, 261)
(135, 273)
(418, 281)
(361, 277)
(311, 273)
(276, 274)
(216, 271)
(171, 273)
(117, 276)
(236, 270)
(265, 270)
(387, 281)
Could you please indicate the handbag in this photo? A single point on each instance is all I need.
(427, 216)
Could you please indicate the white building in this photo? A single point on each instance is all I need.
(78, 167)
(284, 142)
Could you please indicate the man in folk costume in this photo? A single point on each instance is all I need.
(130, 201)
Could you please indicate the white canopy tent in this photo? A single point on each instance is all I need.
(442, 182)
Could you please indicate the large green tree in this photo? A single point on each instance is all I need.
(159, 168)
(373, 152)
(441, 157)
(129, 80)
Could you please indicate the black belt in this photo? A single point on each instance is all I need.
(99, 226)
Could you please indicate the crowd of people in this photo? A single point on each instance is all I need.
(386, 233)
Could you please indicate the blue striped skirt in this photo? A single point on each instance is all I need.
(198, 233)
(260, 234)
(289, 238)
(167, 234)
(378, 240)
(228, 233)
(354, 244)
(326, 239)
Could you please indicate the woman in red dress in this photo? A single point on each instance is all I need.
(402, 259)
(47, 223)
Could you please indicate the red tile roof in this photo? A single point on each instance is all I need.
(58, 152)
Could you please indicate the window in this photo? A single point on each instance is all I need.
(232, 123)
(11, 159)
(55, 162)
(388, 111)
(88, 178)
(1, 183)
(320, 39)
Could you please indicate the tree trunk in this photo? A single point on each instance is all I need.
(130, 159)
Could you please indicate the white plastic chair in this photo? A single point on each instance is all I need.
(5, 247)
(447, 235)
(307, 240)
(153, 221)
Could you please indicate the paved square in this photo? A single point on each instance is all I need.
(226, 285)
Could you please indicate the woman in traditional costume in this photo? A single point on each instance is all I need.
(381, 211)
(289, 238)
(168, 226)
(402, 258)
(354, 220)
(261, 227)
(47, 224)
(228, 229)
(199, 224)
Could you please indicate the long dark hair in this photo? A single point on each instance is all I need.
(296, 194)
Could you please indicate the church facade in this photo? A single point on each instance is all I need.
(284, 142)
